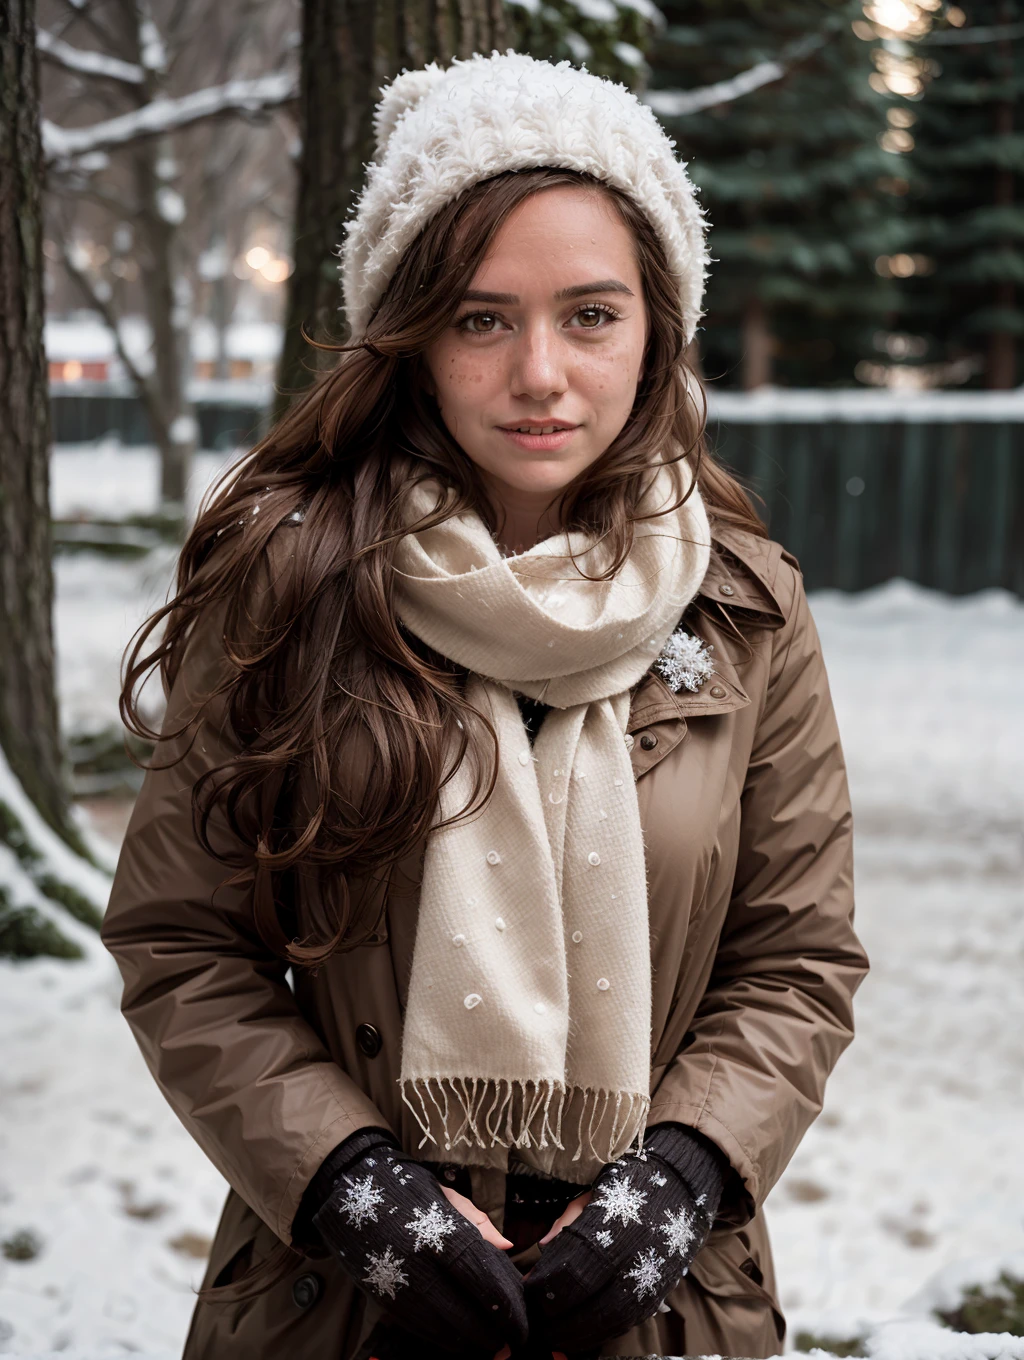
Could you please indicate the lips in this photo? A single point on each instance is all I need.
(538, 427)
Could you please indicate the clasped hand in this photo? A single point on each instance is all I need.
(438, 1266)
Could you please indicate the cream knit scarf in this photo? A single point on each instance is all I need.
(529, 1008)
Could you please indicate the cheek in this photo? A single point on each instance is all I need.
(465, 378)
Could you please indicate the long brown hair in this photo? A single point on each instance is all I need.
(327, 669)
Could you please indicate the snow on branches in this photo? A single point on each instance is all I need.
(164, 115)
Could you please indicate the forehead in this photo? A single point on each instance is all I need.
(557, 237)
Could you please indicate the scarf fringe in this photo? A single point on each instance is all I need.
(526, 1115)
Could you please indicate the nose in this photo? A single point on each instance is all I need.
(538, 369)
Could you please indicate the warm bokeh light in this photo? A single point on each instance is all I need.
(902, 266)
(896, 141)
(276, 271)
(257, 257)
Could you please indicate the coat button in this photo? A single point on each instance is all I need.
(717, 692)
(369, 1040)
(306, 1290)
(726, 590)
(450, 1172)
(648, 741)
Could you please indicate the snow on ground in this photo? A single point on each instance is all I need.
(105, 480)
(915, 1162)
(914, 1167)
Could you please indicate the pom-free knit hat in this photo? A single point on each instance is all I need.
(441, 130)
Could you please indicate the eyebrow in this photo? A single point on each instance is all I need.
(577, 290)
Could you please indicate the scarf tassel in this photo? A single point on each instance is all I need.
(526, 1114)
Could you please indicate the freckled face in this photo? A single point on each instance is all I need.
(541, 354)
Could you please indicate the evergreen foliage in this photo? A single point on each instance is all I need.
(26, 934)
(608, 37)
(794, 180)
(965, 205)
(997, 1308)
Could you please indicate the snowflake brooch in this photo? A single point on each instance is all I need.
(685, 662)
(622, 1200)
(360, 1201)
(430, 1227)
(646, 1272)
(384, 1272)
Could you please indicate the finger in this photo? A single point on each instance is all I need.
(570, 1215)
(486, 1276)
(571, 1271)
(504, 1353)
(477, 1217)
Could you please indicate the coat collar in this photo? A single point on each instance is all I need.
(740, 577)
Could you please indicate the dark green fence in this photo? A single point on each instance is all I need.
(862, 486)
(932, 491)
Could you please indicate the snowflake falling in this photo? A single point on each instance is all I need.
(385, 1273)
(646, 1272)
(604, 1237)
(659, 1180)
(430, 1227)
(685, 662)
(361, 1200)
(679, 1231)
(622, 1200)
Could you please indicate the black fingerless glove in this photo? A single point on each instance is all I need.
(386, 1218)
(650, 1214)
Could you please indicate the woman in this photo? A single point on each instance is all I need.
(495, 718)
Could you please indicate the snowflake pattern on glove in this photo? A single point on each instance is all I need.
(646, 1272)
(361, 1201)
(384, 1272)
(430, 1227)
(680, 1232)
(604, 1237)
(685, 662)
(622, 1200)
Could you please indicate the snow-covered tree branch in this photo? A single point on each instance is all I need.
(60, 53)
(165, 115)
(680, 103)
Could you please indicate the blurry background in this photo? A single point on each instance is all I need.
(862, 167)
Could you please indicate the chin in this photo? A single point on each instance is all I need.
(537, 477)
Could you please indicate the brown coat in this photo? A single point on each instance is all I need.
(746, 815)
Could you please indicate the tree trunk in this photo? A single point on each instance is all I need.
(1001, 368)
(349, 49)
(29, 731)
(757, 347)
(169, 308)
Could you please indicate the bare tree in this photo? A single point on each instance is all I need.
(349, 49)
(133, 162)
(29, 731)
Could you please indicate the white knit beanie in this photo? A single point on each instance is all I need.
(441, 130)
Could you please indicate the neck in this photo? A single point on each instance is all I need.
(523, 519)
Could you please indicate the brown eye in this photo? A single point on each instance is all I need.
(597, 310)
(464, 325)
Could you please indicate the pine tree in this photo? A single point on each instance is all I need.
(794, 179)
(966, 173)
(609, 37)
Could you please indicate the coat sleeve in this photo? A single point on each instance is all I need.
(208, 1003)
(777, 1011)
